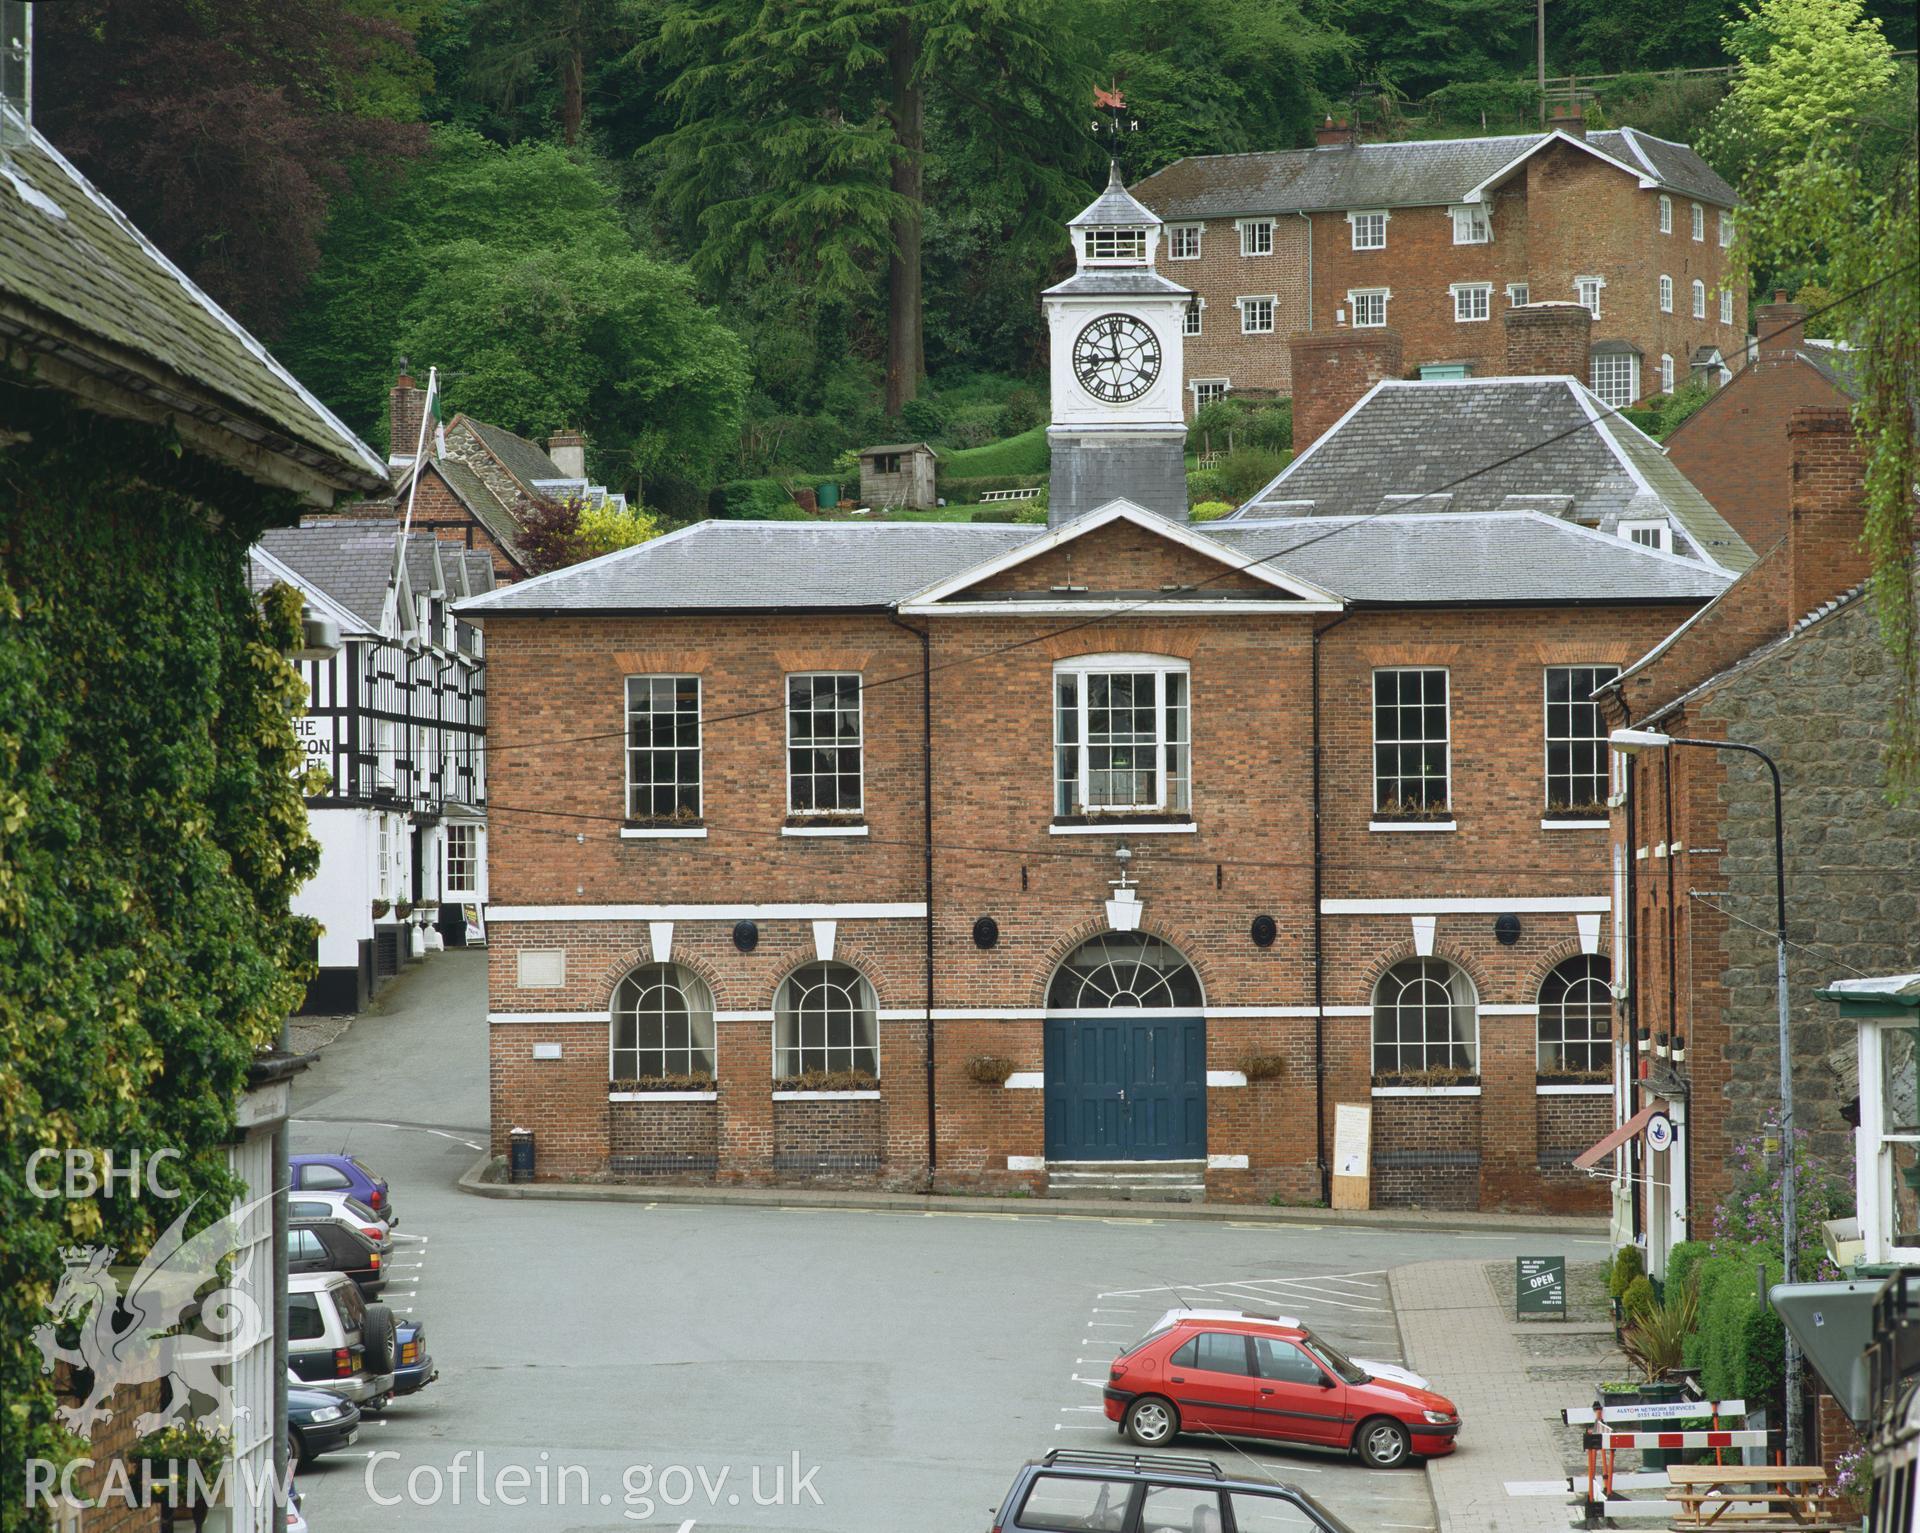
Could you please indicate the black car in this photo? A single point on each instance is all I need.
(329, 1245)
(317, 1423)
(1143, 1493)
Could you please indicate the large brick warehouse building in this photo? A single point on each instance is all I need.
(1120, 850)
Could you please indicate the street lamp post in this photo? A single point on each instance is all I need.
(1631, 742)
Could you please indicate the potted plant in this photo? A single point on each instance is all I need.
(168, 1461)
(380, 909)
(1263, 1067)
(1655, 1340)
(989, 1069)
(1628, 1264)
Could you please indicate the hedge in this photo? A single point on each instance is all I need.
(1026, 454)
(753, 500)
(1740, 1346)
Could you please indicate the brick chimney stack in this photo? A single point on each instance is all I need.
(1548, 340)
(1332, 369)
(1568, 117)
(1826, 508)
(406, 404)
(1331, 134)
(1780, 325)
(568, 449)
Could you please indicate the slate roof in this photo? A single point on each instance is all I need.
(479, 570)
(526, 461)
(1117, 281)
(1475, 558)
(1116, 207)
(1674, 166)
(75, 270)
(735, 565)
(472, 492)
(1468, 440)
(351, 561)
(1834, 361)
(868, 452)
(1424, 173)
(1470, 558)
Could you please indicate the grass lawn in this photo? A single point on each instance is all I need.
(1026, 453)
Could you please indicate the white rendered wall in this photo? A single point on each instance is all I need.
(341, 894)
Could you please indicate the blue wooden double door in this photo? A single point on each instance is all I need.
(1121, 1087)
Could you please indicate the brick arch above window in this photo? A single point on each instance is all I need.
(607, 985)
(1551, 959)
(1452, 952)
(1184, 943)
(795, 957)
(1118, 639)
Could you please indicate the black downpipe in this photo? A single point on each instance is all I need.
(1319, 964)
(926, 825)
(1634, 969)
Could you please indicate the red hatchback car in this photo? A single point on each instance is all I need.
(1229, 1374)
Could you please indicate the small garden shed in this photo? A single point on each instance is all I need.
(898, 475)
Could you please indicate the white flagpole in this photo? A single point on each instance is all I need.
(420, 447)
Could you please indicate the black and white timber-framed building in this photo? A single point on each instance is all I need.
(397, 721)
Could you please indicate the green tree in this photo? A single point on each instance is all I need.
(226, 129)
(1218, 76)
(1416, 46)
(512, 270)
(514, 49)
(1807, 69)
(802, 134)
(1828, 213)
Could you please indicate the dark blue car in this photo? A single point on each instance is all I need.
(318, 1422)
(343, 1173)
(413, 1368)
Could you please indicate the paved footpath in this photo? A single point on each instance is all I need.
(1449, 1315)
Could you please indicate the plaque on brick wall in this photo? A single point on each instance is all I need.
(1540, 1286)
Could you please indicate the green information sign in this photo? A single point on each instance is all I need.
(1540, 1286)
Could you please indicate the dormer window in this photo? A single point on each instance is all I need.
(1648, 534)
(1471, 225)
(1116, 244)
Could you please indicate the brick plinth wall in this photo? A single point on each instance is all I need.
(666, 1138)
(1565, 1126)
(829, 1138)
(1426, 1152)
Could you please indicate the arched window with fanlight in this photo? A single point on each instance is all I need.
(1426, 1019)
(1124, 970)
(825, 1021)
(662, 1025)
(1576, 1019)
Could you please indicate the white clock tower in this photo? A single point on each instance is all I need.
(1118, 430)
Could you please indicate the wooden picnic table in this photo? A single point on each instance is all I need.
(1757, 1496)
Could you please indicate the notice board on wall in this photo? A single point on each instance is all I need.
(1352, 1155)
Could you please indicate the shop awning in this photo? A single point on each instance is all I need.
(1586, 1160)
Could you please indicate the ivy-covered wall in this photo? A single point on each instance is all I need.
(151, 835)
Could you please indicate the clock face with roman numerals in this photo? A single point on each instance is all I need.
(1116, 358)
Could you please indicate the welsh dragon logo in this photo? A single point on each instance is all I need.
(143, 1335)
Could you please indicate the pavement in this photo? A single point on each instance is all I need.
(1524, 1374)
(862, 1366)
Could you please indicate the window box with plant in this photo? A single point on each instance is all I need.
(814, 1082)
(646, 1085)
(1436, 1077)
(1413, 811)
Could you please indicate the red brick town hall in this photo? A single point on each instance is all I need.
(1116, 853)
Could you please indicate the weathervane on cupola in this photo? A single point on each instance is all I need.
(1110, 101)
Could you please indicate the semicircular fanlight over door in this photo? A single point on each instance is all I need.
(1123, 970)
